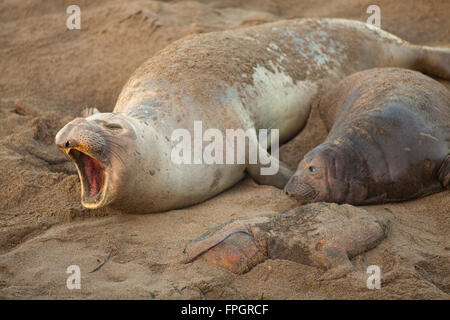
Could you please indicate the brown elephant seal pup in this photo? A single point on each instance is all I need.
(262, 77)
(323, 235)
(389, 141)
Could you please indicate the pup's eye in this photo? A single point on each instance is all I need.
(113, 126)
(312, 169)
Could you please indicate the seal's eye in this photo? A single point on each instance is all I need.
(312, 169)
(113, 126)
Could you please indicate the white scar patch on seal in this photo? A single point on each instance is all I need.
(285, 103)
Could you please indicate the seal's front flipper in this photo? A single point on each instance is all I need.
(278, 178)
(444, 172)
(87, 112)
(338, 264)
(266, 168)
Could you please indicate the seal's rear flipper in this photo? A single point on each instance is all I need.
(444, 172)
(87, 112)
(231, 246)
(433, 61)
(238, 253)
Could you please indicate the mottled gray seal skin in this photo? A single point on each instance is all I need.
(389, 141)
(262, 77)
(324, 235)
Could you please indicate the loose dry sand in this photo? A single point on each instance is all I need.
(49, 74)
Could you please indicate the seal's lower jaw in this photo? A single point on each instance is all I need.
(94, 179)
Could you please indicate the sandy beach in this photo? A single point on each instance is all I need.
(50, 74)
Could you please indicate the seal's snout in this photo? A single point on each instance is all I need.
(61, 139)
(85, 147)
(299, 190)
(65, 138)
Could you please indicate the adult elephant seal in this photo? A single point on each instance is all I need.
(389, 141)
(262, 77)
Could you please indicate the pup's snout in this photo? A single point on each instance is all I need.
(299, 190)
(288, 187)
